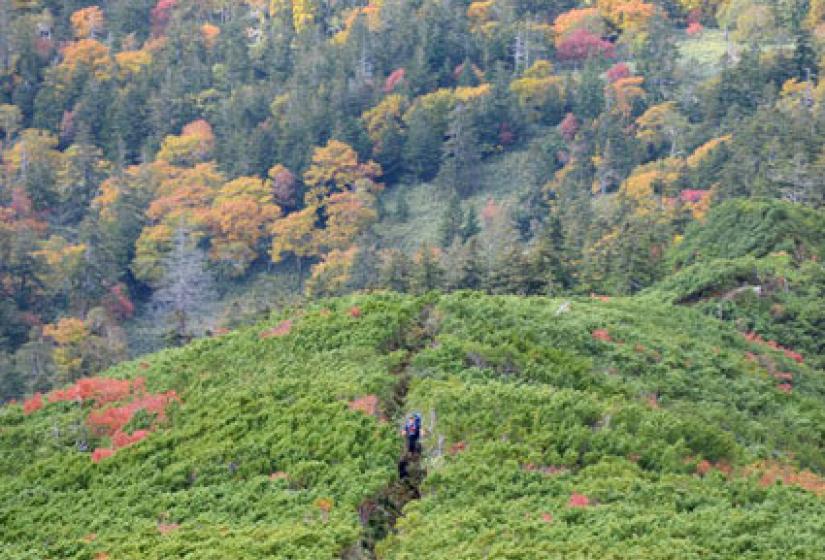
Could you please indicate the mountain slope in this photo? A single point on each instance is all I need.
(555, 428)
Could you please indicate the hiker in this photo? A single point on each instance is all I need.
(412, 429)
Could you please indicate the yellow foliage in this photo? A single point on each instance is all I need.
(87, 22)
(131, 63)
(383, 117)
(703, 151)
(295, 234)
(534, 93)
(627, 15)
(89, 53)
(67, 331)
(329, 277)
(194, 144)
(335, 167)
(624, 92)
(469, 94)
(583, 18)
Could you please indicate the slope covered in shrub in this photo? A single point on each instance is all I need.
(554, 428)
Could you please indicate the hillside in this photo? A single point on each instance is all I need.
(555, 428)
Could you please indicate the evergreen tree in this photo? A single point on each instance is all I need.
(451, 221)
(185, 288)
(471, 227)
(461, 156)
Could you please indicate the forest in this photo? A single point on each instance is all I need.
(174, 169)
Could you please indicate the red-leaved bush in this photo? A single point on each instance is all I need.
(282, 329)
(101, 453)
(122, 439)
(394, 79)
(112, 420)
(693, 195)
(578, 501)
(602, 335)
(695, 28)
(101, 390)
(618, 71)
(569, 126)
(795, 356)
(33, 404)
(581, 44)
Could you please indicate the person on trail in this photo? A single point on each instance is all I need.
(412, 430)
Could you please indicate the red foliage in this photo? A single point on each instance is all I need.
(795, 356)
(581, 44)
(506, 136)
(569, 127)
(166, 528)
(601, 334)
(775, 472)
(355, 312)
(618, 71)
(394, 79)
(33, 404)
(368, 405)
(118, 304)
(786, 388)
(693, 195)
(694, 29)
(160, 16)
(603, 299)
(704, 467)
(101, 390)
(121, 439)
(547, 517)
(457, 448)
(578, 501)
(101, 453)
(282, 329)
(112, 420)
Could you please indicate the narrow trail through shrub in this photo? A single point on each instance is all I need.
(378, 514)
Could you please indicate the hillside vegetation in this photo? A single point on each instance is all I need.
(556, 428)
(173, 168)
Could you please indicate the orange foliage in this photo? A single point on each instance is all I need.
(87, 22)
(89, 53)
(210, 34)
(282, 329)
(368, 405)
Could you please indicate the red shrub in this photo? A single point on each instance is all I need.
(101, 453)
(601, 334)
(547, 517)
(703, 467)
(166, 528)
(457, 448)
(355, 312)
(578, 501)
(786, 388)
(33, 404)
(569, 127)
(282, 329)
(694, 28)
(122, 439)
(368, 405)
(693, 195)
(618, 71)
(581, 44)
(112, 420)
(394, 79)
